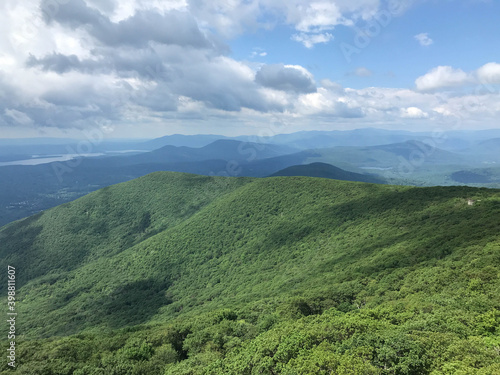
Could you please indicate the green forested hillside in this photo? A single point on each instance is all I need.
(324, 170)
(106, 222)
(182, 274)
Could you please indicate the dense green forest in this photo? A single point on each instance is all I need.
(182, 274)
(324, 170)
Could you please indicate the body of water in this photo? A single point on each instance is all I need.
(41, 159)
(38, 159)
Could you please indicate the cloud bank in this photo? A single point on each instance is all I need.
(134, 64)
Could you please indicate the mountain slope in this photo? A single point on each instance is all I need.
(30, 189)
(223, 149)
(106, 222)
(388, 156)
(271, 275)
(27, 190)
(352, 138)
(324, 170)
(486, 151)
(179, 140)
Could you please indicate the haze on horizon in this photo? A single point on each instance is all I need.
(144, 68)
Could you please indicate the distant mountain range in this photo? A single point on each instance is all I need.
(411, 158)
(222, 149)
(304, 140)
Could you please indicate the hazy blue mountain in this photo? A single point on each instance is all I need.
(486, 152)
(179, 140)
(266, 167)
(417, 149)
(358, 137)
(451, 141)
(26, 190)
(222, 149)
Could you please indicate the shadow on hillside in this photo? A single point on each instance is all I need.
(422, 221)
(425, 233)
(127, 305)
(131, 304)
(15, 242)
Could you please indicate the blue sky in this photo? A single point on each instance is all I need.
(146, 68)
(465, 35)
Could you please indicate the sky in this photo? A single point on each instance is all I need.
(147, 68)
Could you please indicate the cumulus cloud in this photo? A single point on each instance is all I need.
(318, 16)
(316, 20)
(423, 39)
(145, 26)
(152, 59)
(309, 40)
(18, 117)
(59, 63)
(286, 78)
(258, 52)
(87, 63)
(489, 73)
(446, 77)
(230, 18)
(331, 102)
(413, 112)
(442, 77)
(145, 79)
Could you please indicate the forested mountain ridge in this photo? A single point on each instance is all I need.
(183, 274)
(324, 170)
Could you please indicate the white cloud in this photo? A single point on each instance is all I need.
(413, 112)
(6, 61)
(309, 40)
(442, 77)
(18, 117)
(85, 69)
(292, 78)
(398, 7)
(329, 104)
(424, 39)
(332, 86)
(447, 77)
(489, 73)
(230, 17)
(258, 52)
(318, 16)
